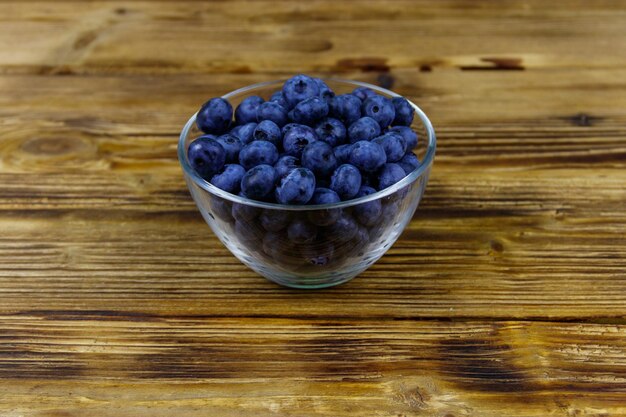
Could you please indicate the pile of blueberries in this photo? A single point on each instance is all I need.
(305, 145)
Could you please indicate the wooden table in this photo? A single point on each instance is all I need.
(506, 296)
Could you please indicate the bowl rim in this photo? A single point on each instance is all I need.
(408, 179)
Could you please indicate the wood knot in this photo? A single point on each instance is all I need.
(363, 64)
(583, 120)
(496, 246)
(54, 146)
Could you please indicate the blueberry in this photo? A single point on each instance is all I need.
(301, 231)
(248, 234)
(342, 153)
(367, 156)
(324, 217)
(346, 108)
(359, 241)
(277, 97)
(389, 175)
(409, 162)
(319, 158)
(258, 182)
(404, 112)
(363, 93)
(285, 165)
(325, 92)
(246, 110)
(278, 247)
(269, 131)
(368, 213)
(206, 156)
(243, 212)
(317, 253)
(244, 132)
(380, 109)
(365, 128)
(331, 131)
(258, 152)
(394, 145)
(410, 137)
(298, 88)
(296, 188)
(271, 110)
(309, 111)
(346, 181)
(342, 230)
(296, 138)
(231, 145)
(222, 208)
(288, 127)
(230, 178)
(275, 220)
(214, 116)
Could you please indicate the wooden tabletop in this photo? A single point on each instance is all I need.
(506, 295)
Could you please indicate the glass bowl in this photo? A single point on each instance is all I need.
(255, 232)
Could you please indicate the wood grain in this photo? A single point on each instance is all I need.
(506, 295)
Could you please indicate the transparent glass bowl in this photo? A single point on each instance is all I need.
(253, 231)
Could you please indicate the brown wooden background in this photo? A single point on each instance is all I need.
(506, 296)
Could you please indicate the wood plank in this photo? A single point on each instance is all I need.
(95, 362)
(315, 35)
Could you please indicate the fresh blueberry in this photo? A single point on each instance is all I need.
(248, 233)
(275, 220)
(331, 131)
(276, 246)
(368, 213)
(367, 156)
(359, 241)
(258, 152)
(363, 93)
(285, 165)
(258, 182)
(345, 107)
(231, 145)
(244, 132)
(269, 131)
(206, 156)
(271, 110)
(365, 128)
(222, 208)
(230, 178)
(409, 162)
(394, 145)
(288, 127)
(319, 253)
(324, 217)
(342, 153)
(325, 92)
(298, 88)
(296, 138)
(380, 109)
(346, 181)
(296, 188)
(404, 112)
(243, 212)
(247, 109)
(214, 116)
(342, 230)
(410, 137)
(301, 231)
(309, 111)
(389, 175)
(319, 158)
(278, 98)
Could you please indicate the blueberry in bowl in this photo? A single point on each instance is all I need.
(307, 181)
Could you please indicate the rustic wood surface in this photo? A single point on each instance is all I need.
(506, 296)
